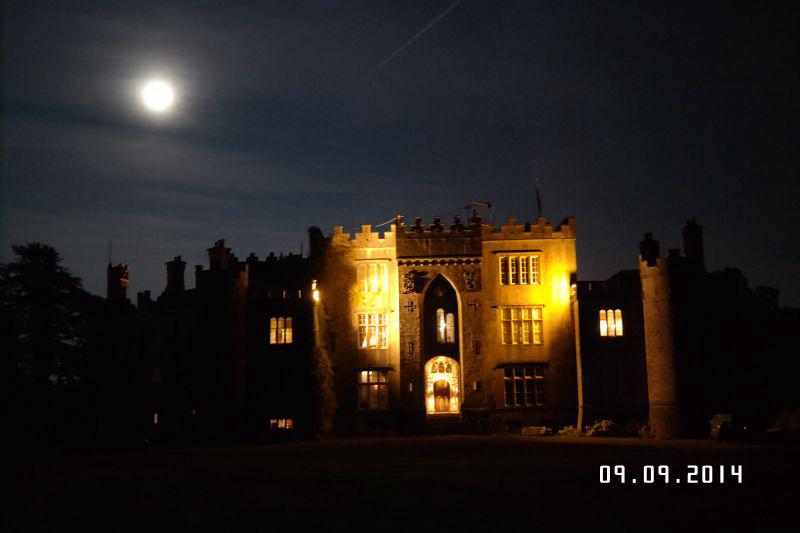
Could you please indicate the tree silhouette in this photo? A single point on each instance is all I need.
(44, 314)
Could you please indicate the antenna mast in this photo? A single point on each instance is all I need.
(538, 200)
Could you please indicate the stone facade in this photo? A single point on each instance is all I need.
(427, 267)
(427, 327)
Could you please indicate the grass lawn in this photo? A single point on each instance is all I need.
(463, 482)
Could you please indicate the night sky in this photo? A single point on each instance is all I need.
(635, 116)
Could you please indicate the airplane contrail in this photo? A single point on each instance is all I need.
(430, 25)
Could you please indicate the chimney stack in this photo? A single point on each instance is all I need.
(693, 244)
(175, 271)
(649, 249)
(117, 282)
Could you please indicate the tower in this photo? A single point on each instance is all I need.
(657, 303)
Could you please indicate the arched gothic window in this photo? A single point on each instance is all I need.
(445, 327)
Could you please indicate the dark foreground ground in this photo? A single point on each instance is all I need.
(417, 483)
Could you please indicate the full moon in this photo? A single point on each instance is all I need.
(158, 96)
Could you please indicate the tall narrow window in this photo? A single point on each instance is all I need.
(504, 270)
(373, 331)
(521, 325)
(534, 277)
(280, 330)
(523, 270)
(445, 327)
(610, 323)
(450, 337)
(513, 263)
(374, 279)
(384, 277)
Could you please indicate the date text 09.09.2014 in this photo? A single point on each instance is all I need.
(690, 474)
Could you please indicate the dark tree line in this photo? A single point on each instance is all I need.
(45, 315)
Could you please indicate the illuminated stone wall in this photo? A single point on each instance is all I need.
(344, 301)
(555, 248)
(466, 256)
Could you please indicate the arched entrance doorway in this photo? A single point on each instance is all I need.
(442, 390)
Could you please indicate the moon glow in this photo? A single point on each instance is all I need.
(158, 96)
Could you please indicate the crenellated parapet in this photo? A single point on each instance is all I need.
(366, 238)
(438, 229)
(541, 229)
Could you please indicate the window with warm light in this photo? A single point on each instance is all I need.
(281, 423)
(373, 390)
(610, 323)
(519, 270)
(445, 327)
(523, 385)
(521, 325)
(373, 331)
(373, 277)
(280, 330)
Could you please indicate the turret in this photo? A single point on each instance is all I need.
(117, 282)
(662, 378)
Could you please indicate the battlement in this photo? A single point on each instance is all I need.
(272, 259)
(541, 229)
(366, 238)
(655, 266)
(476, 228)
(691, 258)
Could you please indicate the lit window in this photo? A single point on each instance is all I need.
(610, 323)
(373, 331)
(450, 337)
(521, 325)
(372, 277)
(513, 263)
(534, 267)
(373, 390)
(280, 330)
(445, 327)
(522, 270)
(281, 423)
(523, 385)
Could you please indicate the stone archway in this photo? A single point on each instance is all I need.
(442, 388)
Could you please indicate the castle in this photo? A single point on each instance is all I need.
(458, 327)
